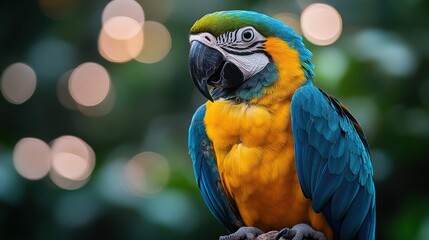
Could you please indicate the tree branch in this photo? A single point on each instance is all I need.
(268, 236)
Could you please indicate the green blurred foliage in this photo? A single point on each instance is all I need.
(379, 68)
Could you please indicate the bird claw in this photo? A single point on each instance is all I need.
(285, 233)
(300, 232)
(244, 233)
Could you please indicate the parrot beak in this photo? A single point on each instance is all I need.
(208, 68)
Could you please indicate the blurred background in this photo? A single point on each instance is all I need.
(97, 99)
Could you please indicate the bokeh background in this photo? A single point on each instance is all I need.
(97, 99)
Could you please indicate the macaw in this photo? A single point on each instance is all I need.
(271, 151)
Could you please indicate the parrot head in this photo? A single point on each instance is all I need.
(238, 54)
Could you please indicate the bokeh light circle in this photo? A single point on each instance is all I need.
(126, 8)
(73, 161)
(121, 27)
(101, 109)
(32, 158)
(116, 50)
(146, 173)
(65, 183)
(89, 84)
(157, 42)
(70, 165)
(321, 24)
(18, 83)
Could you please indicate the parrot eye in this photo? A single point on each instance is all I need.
(247, 35)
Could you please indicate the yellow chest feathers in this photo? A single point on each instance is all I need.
(255, 156)
(254, 151)
(246, 136)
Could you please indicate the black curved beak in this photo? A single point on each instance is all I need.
(204, 63)
(208, 68)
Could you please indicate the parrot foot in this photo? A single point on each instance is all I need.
(300, 232)
(244, 233)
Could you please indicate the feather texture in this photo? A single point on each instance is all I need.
(333, 162)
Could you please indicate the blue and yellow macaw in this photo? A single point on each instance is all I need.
(270, 150)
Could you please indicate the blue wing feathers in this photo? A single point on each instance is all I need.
(315, 166)
(321, 126)
(336, 165)
(338, 149)
(326, 187)
(305, 183)
(325, 146)
(340, 203)
(363, 176)
(368, 229)
(356, 214)
(355, 162)
(371, 188)
(210, 197)
(333, 162)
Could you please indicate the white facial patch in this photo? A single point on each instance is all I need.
(249, 64)
(242, 47)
